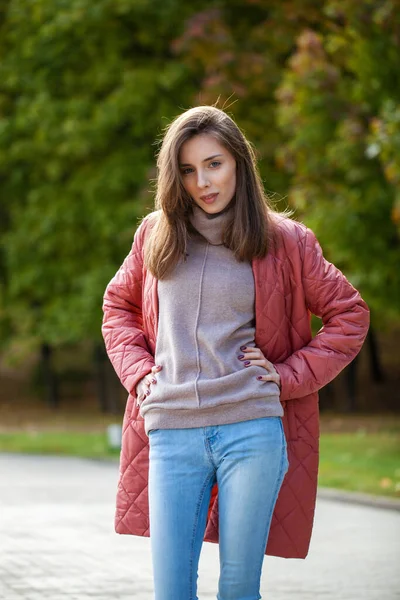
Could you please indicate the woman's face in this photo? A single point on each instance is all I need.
(208, 168)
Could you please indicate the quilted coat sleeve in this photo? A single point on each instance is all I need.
(345, 317)
(122, 326)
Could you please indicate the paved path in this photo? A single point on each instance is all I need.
(57, 542)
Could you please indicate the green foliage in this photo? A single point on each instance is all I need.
(339, 111)
(84, 89)
(236, 50)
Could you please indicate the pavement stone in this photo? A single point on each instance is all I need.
(57, 542)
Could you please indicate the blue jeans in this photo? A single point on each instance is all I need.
(248, 460)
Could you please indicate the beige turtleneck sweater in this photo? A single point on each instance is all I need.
(206, 312)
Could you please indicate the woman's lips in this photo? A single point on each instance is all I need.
(209, 199)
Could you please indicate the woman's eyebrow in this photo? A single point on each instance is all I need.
(205, 160)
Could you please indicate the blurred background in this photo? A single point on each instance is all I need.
(86, 89)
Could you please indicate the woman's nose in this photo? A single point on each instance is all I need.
(202, 181)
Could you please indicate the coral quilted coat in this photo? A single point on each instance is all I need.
(292, 282)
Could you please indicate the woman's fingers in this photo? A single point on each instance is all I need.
(254, 356)
(270, 377)
(150, 378)
(257, 358)
(263, 363)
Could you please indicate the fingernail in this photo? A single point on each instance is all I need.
(147, 392)
(154, 380)
(243, 347)
(241, 356)
(247, 362)
(259, 377)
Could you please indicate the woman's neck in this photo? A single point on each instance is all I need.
(211, 226)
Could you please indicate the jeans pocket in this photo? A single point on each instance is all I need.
(284, 442)
(285, 448)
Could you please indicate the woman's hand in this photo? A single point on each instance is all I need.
(254, 356)
(143, 385)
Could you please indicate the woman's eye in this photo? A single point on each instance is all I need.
(186, 171)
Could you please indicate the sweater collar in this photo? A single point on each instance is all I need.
(210, 226)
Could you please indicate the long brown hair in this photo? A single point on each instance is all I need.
(250, 232)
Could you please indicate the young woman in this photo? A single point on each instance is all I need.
(207, 324)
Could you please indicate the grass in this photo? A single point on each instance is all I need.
(87, 445)
(356, 461)
(361, 462)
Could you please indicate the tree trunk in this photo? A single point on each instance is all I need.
(374, 358)
(327, 397)
(100, 377)
(49, 376)
(351, 386)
